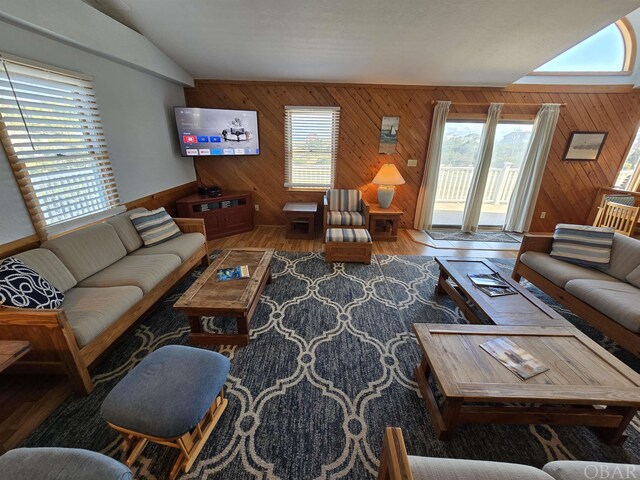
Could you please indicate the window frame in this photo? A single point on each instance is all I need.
(634, 182)
(629, 42)
(290, 110)
(91, 171)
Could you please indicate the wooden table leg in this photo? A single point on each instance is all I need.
(422, 371)
(442, 278)
(196, 324)
(450, 413)
(616, 436)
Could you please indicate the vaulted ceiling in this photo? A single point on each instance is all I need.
(425, 42)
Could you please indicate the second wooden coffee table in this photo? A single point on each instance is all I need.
(585, 384)
(522, 308)
(234, 298)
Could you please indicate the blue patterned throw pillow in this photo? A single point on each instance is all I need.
(21, 286)
(582, 244)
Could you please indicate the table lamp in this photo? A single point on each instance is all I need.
(387, 179)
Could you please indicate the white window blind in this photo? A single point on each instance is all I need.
(311, 146)
(51, 130)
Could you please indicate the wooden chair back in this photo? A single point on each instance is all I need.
(622, 218)
(394, 462)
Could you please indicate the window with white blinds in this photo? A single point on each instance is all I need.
(52, 133)
(311, 146)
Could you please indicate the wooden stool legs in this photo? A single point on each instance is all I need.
(190, 444)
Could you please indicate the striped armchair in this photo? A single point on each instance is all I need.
(344, 209)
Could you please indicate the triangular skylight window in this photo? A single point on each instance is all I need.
(606, 51)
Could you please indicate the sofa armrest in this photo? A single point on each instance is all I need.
(532, 243)
(536, 243)
(191, 225)
(54, 347)
(394, 463)
(31, 316)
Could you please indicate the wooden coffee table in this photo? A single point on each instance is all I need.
(235, 298)
(476, 388)
(523, 308)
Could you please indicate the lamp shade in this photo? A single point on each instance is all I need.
(388, 175)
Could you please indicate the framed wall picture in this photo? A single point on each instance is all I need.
(585, 146)
(389, 135)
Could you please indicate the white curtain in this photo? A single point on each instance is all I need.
(473, 205)
(427, 195)
(524, 195)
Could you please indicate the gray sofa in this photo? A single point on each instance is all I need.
(395, 464)
(109, 280)
(60, 464)
(601, 296)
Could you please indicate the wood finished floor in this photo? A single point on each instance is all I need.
(26, 401)
(273, 237)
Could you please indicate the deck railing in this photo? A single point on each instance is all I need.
(454, 182)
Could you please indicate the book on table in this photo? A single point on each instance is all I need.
(491, 284)
(232, 273)
(512, 356)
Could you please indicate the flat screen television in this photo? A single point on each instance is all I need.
(215, 132)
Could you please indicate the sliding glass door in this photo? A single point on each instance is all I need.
(459, 160)
(509, 148)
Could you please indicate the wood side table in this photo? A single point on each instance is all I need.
(383, 222)
(301, 220)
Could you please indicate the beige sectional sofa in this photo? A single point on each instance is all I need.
(109, 280)
(601, 296)
(395, 464)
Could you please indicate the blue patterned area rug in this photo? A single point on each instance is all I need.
(329, 366)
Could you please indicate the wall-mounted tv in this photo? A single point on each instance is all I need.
(215, 132)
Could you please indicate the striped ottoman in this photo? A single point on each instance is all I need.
(348, 245)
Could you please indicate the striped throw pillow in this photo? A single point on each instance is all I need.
(582, 244)
(155, 226)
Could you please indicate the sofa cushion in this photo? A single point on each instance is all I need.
(184, 246)
(345, 235)
(625, 257)
(21, 286)
(51, 463)
(89, 250)
(576, 470)
(143, 271)
(617, 300)
(558, 271)
(49, 266)
(634, 277)
(427, 468)
(582, 244)
(355, 219)
(155, 226)
(90, 311)
(126, 231)
(344, 200)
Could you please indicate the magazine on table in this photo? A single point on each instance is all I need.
(519, 361)
(232, 273)
(491, 284)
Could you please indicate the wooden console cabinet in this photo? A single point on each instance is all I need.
(228, 214)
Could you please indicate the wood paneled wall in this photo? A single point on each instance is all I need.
(567, 191)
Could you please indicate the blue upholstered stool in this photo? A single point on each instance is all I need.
(60, 464)
(174, 397)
